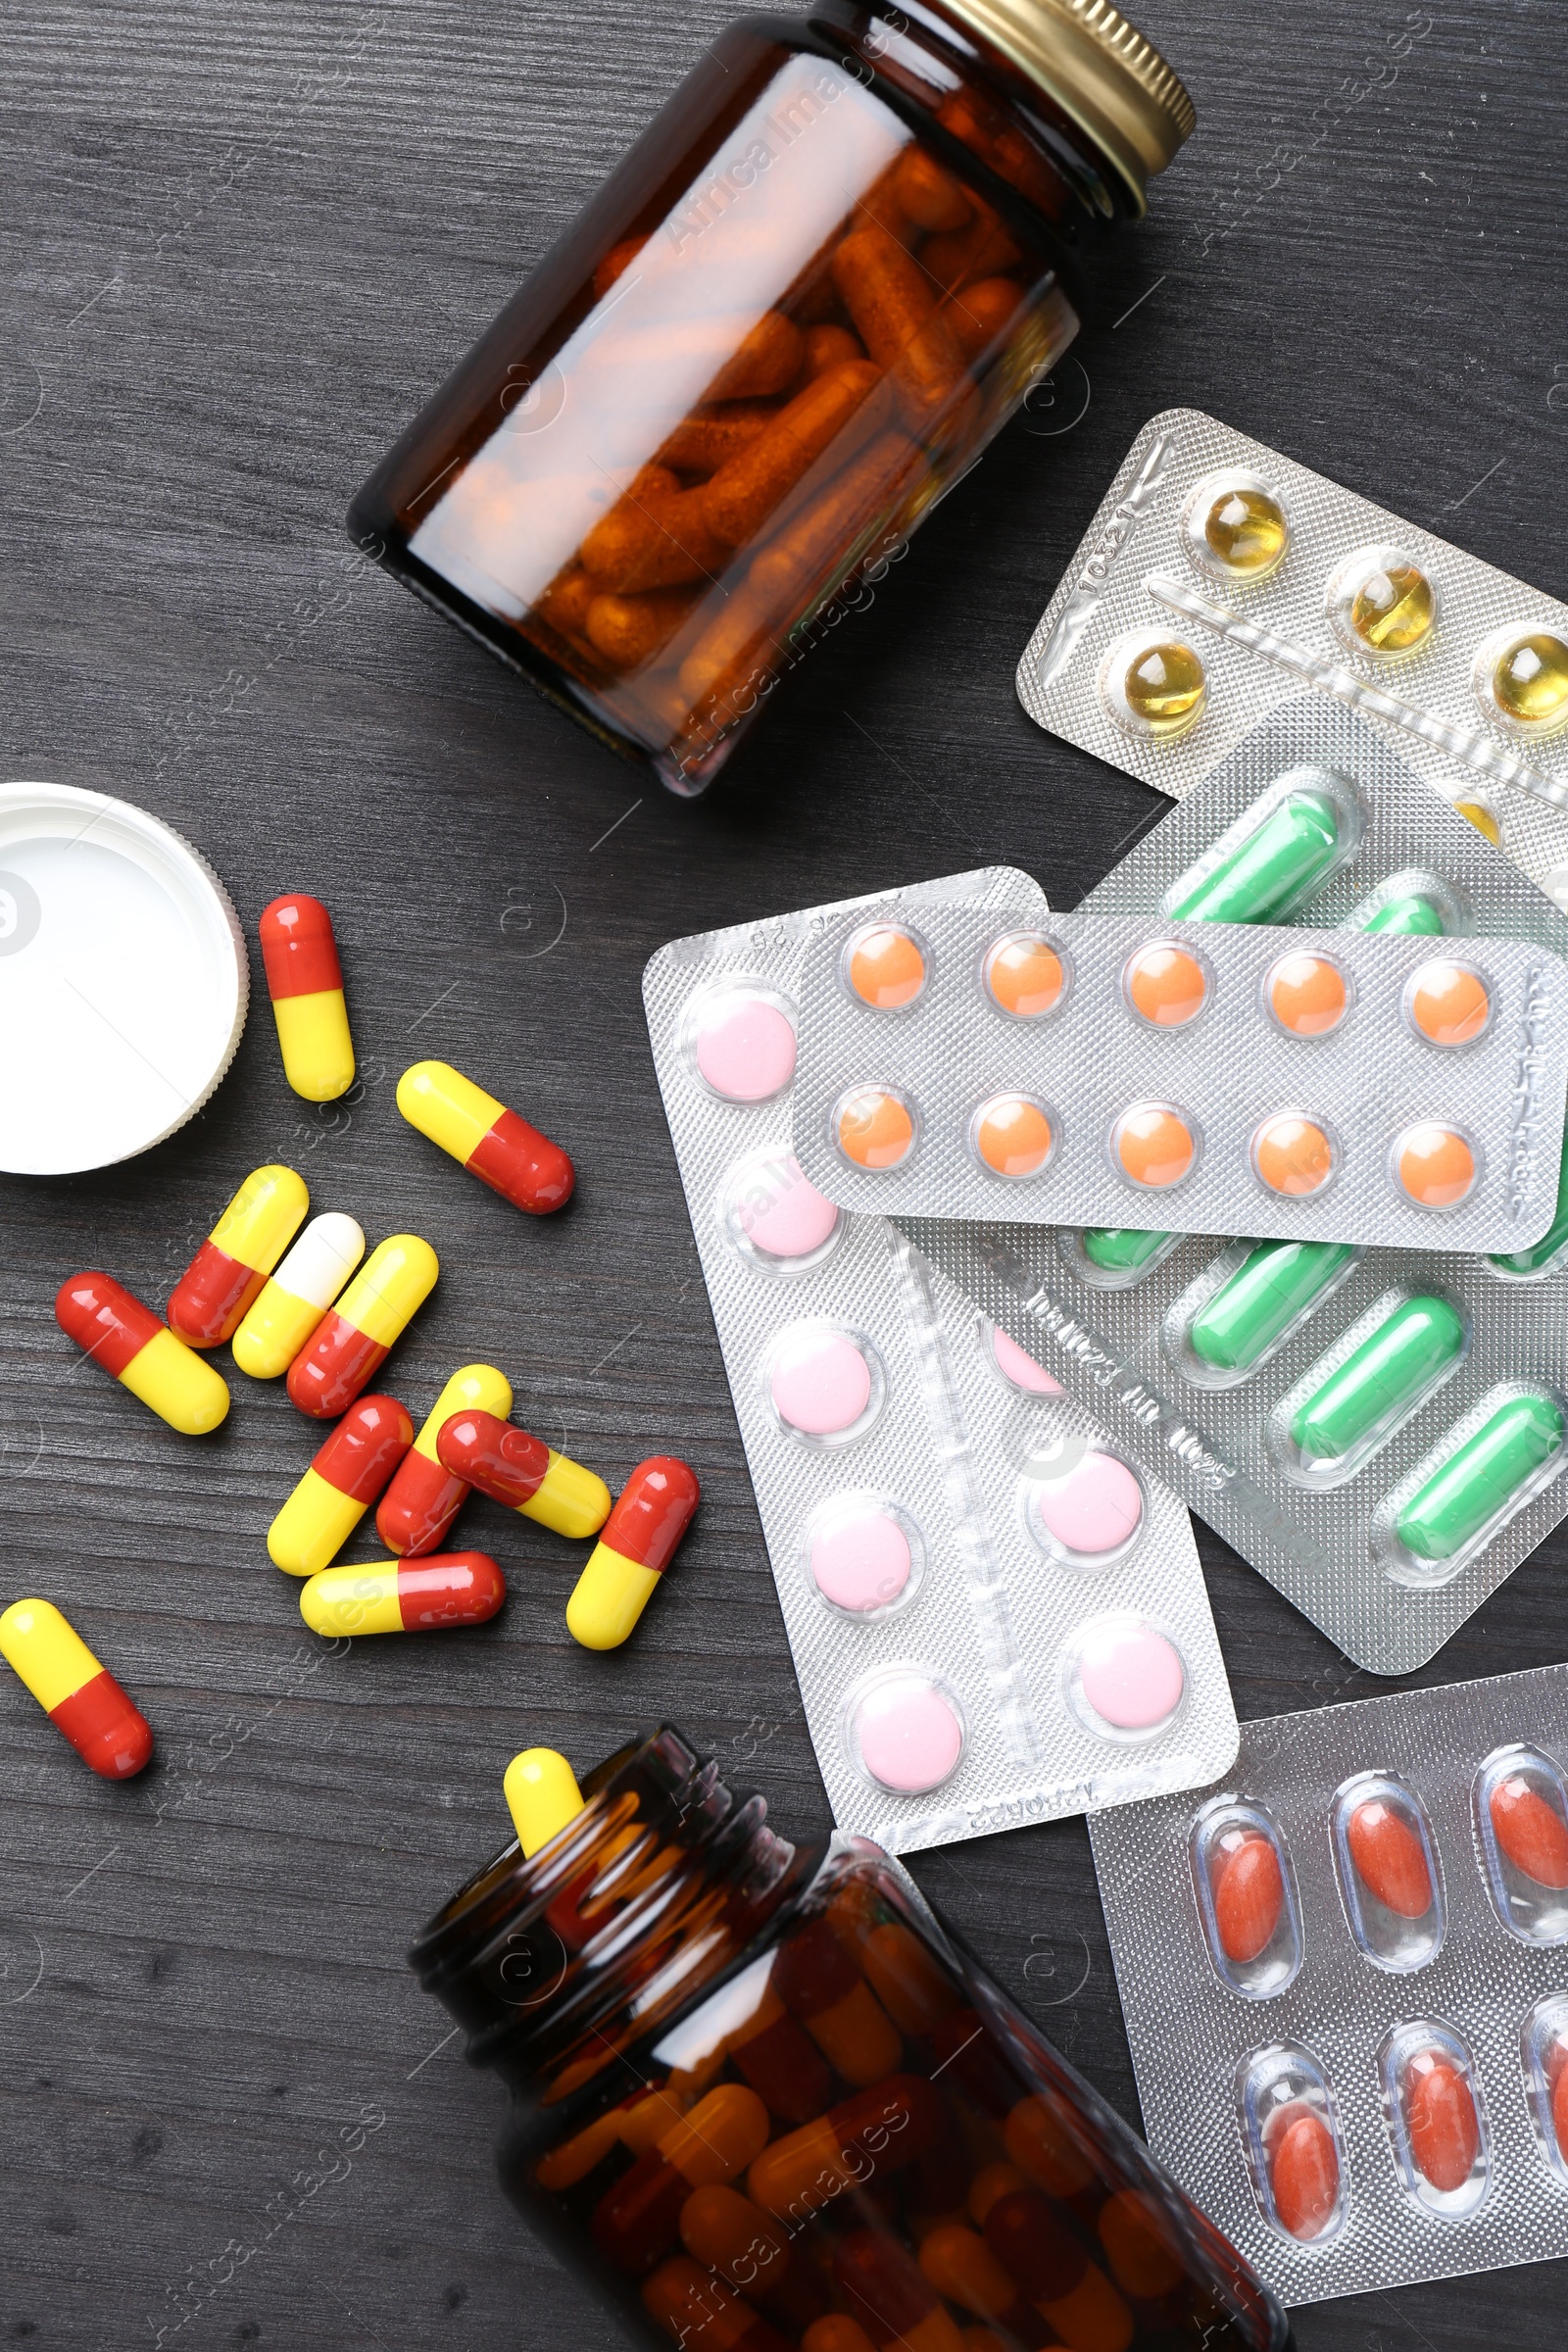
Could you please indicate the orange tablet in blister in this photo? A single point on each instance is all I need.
(1308, 995)
(1448, 1003)
(886, 967)
(1155, 1147)
(1293, 1155)
(1165, 985)
(875, 1129)
(1026, 976)
(1435, 1166)
(1012, 1134)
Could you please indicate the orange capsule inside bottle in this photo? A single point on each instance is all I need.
(819, 1982)
(638, 2219)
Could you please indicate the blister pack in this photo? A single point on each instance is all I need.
(1343, 1980)
(993, 1617)
(1382, 1433)
(1098, 1069)
(1218, 578)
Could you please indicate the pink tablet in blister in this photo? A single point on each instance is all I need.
(1019, 1368)
(820, 1381)
(742, 1044)
(908, 1731)
(1094, 1509)
(1126, 1674)
(861, 1561)
(777, 1212)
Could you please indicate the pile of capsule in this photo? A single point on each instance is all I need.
(1391, 1886)
(299, 1305)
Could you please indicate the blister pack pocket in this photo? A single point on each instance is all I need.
(1177, 1072)
(1382, 1433)
(1219, 578)
(1342, 1975)
(994, 1616)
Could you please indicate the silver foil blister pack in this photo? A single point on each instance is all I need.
(1114, 1069)
(993, 1619)
(1396, 1392)
(1462, 667)
(1343, 1972)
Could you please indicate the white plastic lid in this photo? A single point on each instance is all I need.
(123, 980)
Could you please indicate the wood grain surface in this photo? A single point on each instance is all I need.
(240, 246)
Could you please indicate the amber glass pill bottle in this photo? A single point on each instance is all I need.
(746, 2081)
(833, 265)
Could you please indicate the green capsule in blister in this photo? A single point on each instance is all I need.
(1379, 1384)
(1117, 1250)
(1274, 1283)
(1555, 1237)
(1480, 1480)
(1405, 916)
(1272, 870)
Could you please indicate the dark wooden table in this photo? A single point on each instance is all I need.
(240, 246)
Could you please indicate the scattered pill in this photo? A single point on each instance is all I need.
(886, 967)
(1245, 530)
(1021, 1368)
(354, 1338)
(1390, 1858)
(1294, 1157)
(1121, 1249)
(819, 1382)
(1481, 1478)
(485, 1137)
(427, 1596)
(907, 1734)
(1435, 1166)
(1249, 1897)
(1441, 2121)
(651, 1515)
(1304, 2175)
(743, 1046)
(1528, 681)
(1269, 872)
(875, 1129)
(1154, 1146)
(778, 1211)
(142, 1353)
(1165, 985)
(80, 1697)
(1095, 1509)
(524, 1473)
(1011, 1135)
(304, 981)
(1409, 915)
(1529, 1831)
(1131, 1676)
(229, 1272)
(1275, 1284)
(1394, 607)
(424, 1495)
(542, 1797)
(862, 1560)
(344, 1479)
(1024, 975)
(1448, 1003)
(1307, 995)
(297, 1294)
(1382, 1380)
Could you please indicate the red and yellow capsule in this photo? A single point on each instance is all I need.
(143, 1354)
(490, 1141)
(229, 1272)
(304, 981)
(542, 1795)
(651, 1514)
(79, 1696)
(337, 1490)
(525, 1473)
(298, 1293)
(354, 1338)
(405, 1597)
(425, 1497)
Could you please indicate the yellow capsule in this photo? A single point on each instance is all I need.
(447, 1107)
(572, 1499)
(1529, 681)
(542, 1794)
(432, 1595)
(608, 1597)
(387, 1293)
(1481, 816)
(128, 1340)
(477, 1387)
(179, 1387)
(651, 1513)
(46, 1650)
(298, 1296)
(313, 1526)
(262, 1218)
(1166, 688)
(305, 982)
(1246, 530)
(348, 1473)
(1392, 610)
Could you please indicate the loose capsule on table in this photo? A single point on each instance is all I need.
(638, 1541)
(427, 1596)
(542, 1797)
(485, 1137)
(523, 1473)
(304, 981)
(80, 1697)
(343, 1480)
(354, 1337)
(142, 1353)
(228, 1273)
(425, 1496)
(297, 1294)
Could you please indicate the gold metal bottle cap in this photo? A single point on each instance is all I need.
(1099, 70)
